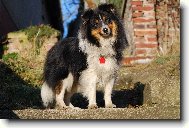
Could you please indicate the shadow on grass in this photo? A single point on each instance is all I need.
(121, 98)
(15, 93)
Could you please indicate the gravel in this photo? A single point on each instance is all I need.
(144, 112)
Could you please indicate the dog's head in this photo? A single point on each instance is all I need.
(100, 23)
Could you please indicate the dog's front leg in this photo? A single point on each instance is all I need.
(108, 93)
(87, 81)
(92, 94)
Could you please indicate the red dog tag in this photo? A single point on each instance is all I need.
(102, 60)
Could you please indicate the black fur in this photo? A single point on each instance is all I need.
(66, 56)
(63, 58)
(121, 42)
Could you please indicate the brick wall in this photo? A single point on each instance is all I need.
(144, 42)
(168, 25)
(153, 28)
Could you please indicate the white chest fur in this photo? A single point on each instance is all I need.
(103, 71)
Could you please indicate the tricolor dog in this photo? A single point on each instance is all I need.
(86, 62)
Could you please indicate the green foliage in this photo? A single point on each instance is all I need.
(21, 72)
(117, 3)
(5, 47)
(37, 34)
(29, 70)
(28, 62)
(162, 60)
(10, 56)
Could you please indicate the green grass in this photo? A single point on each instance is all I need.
(162, 60)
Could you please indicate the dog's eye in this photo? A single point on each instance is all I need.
(95, 24)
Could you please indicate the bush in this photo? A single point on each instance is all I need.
(26, 51)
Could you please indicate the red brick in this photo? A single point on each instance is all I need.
(129, 60)
(140, 51)
(136, 3)
(137, 14)
(143, 33)
(140, 8)
(152, 39)
(151, 26)
(143, 45)
(139, 39)
(151, 1)
(149, 14)
(158, 7)
(139, 26)
(138, 20)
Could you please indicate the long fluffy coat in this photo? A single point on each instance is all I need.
(74, 65)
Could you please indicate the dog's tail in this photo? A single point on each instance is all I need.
(47, 95)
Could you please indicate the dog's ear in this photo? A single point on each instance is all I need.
(87, 15)
(110, 8)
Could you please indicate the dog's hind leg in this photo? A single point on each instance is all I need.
(47, 95)
(69, 94)
(108, 93)
(60, 92)
(64, 86)
(67, 99)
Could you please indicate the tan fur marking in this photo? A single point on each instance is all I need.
(113, 27)
(96, 33)
(58, 87)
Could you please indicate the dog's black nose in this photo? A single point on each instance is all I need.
(105, 30)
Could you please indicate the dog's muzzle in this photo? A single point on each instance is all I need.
(105, 30)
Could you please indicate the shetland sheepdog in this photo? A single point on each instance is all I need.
(86, 62)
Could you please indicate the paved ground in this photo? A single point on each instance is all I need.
(102, 113)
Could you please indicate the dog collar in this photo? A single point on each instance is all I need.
(102, 59)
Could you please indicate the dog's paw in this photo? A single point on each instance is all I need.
(92, 106)
(72, 107)
(110, 106)
(60, 107)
